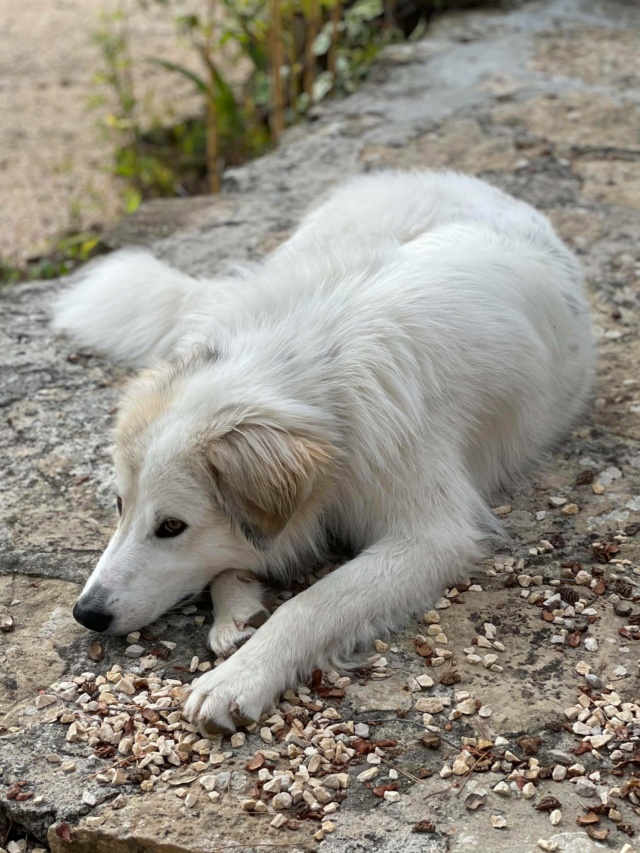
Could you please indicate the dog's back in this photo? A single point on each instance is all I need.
(416, 302)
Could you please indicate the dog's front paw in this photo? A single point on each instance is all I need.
(227, 635)
(224, 638)
(232, 694)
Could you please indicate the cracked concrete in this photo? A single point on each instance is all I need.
(542, 101)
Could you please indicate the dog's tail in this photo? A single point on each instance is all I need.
(130, 306)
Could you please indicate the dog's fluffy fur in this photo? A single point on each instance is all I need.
(421, 340)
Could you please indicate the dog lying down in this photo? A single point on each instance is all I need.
(419, 342)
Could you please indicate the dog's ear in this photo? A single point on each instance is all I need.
(264, 475)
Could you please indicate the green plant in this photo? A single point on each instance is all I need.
(294, 53)
(142, 172)
(68, 252)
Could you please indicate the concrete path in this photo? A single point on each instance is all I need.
(543, 101)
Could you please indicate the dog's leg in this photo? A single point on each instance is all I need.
(238, 609)
(359, 601)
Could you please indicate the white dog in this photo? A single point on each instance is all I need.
(420, 341)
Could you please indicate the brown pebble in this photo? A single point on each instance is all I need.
(96, 652)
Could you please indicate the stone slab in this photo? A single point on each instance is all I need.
(539, 100)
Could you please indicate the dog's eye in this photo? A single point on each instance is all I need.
(170, 527)
(119, 504)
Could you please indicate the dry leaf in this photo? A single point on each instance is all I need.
(255, 763)
(597, 834)
(424, 650)
(329, 692)
(474, 801)
(14, 790)
(430, 741)
(530, 745)
(549, 804)
(362, 747)
(627, 634)
(604, 551)
(380, 790)
(63, 831)
(96, 653)
(586, 819)
(161, 652)
(424, 826)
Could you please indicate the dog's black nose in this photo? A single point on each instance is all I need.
(94, 620)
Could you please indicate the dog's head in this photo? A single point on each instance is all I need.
(205, 483)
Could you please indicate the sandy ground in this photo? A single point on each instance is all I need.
(54, 156)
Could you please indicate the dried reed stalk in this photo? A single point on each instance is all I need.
(312, 20)
(212, 139)
(276, 58)
(336, 15)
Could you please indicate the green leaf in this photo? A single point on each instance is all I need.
(198, 82)
(322, 85)
(322, 43)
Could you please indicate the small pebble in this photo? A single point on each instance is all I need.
(570, 509)
(283, 800)
(134, 651)
(585, 787)
(556, 501)
(367, 775)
